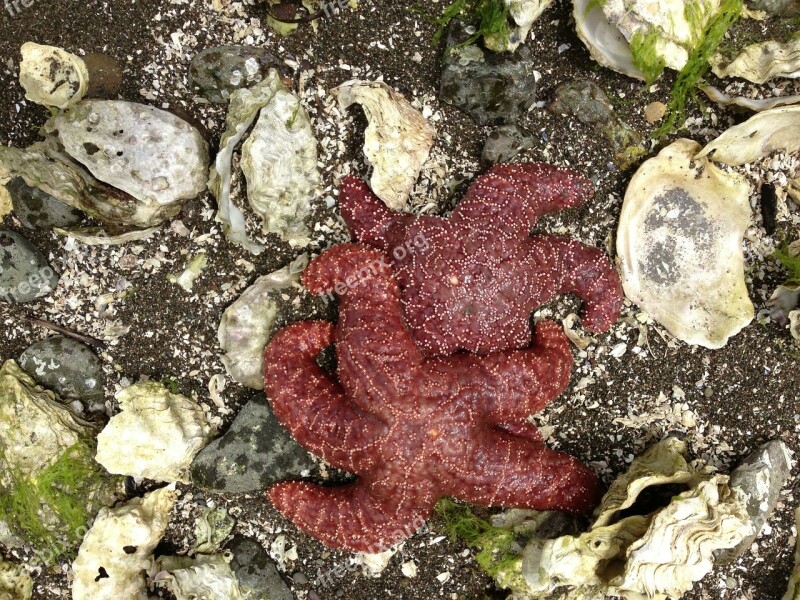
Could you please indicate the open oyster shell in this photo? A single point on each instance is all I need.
(397, 141)
(679, 245)
(52, 76)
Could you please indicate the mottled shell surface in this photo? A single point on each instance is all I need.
(679, 245)
(762, 61)
(52, 76)
(397, 142)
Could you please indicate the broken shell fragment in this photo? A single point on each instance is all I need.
(762, 134)
(605, 42)
(207, 576)
(146, 152)
(156, 434)
(249, 322)
(52, 76)
(397, 141)
(758, 105)
(761, 62)
(118, 549)
(679, 244)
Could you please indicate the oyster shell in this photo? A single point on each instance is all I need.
(659, 555)
(120, 544)
(156, 434)
(397, 142)
(279, 160)
(207, 576)
(679, 245)
(671, 29)
(793, 590)
(15, 583)
(52, 76)
(721, 97)
(146, 152)
(605, 42)
(761, 62)
(249, 322)
(766, 132)
(524, 13)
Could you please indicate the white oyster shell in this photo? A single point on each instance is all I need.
(149, 153)
(762, 134)
(761, 62)
(208, 577)
(655, 556)
(249, 322)
(15, 583)
(52, 76)
(279, 160)
(674, 33)
(524, 13)
(397, 142)
(156, 435)
(121, 542)
(757, 105)
(605, 42)
(679, 244)
(793, 590)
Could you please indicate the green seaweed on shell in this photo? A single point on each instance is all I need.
(697, 65)
(491, 17)
(646, 57)
(791, 263)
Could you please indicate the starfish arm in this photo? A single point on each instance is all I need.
(509, 198)
(368, 218)
(348, 517)
(375, 352)
(509, 471)
(584, 271)
(311, 405)
(518, 383)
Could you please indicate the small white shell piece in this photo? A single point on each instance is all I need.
(397, 141)
(120, 545)
(679, 243)
(156, 435)
(52, 76)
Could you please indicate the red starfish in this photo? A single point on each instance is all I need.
(413, 429)
(472, 280)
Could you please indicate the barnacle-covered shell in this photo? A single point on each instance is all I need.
(52, 76)
(279, 160)
(397, 141)
(761, 62)
(207, 576)
(248, 324)
(15, 583)
(120, 544)
(766, 132)
(605, 42)
(146, 152)
(679, 245)
(156, 434)
(756, 105)
(672, 28)
(524, 13)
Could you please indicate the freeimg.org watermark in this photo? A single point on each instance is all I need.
(14, 7)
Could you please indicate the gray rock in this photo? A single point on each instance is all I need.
(493, 89)
(505, 142)
(255, 571)
(777, 8)
(39, 210)
(760, 476)
(66, 366)
(217, 72)
(583, 99)
(254, 453)
(24, 272)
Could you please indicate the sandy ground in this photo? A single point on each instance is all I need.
(739, 396)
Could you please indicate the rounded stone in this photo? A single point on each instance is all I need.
(66, 366)
(39, 210)
(217, 72)
(255, 571)
(25, 274)
(583, 99)
(505, 142)
(105, 75)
